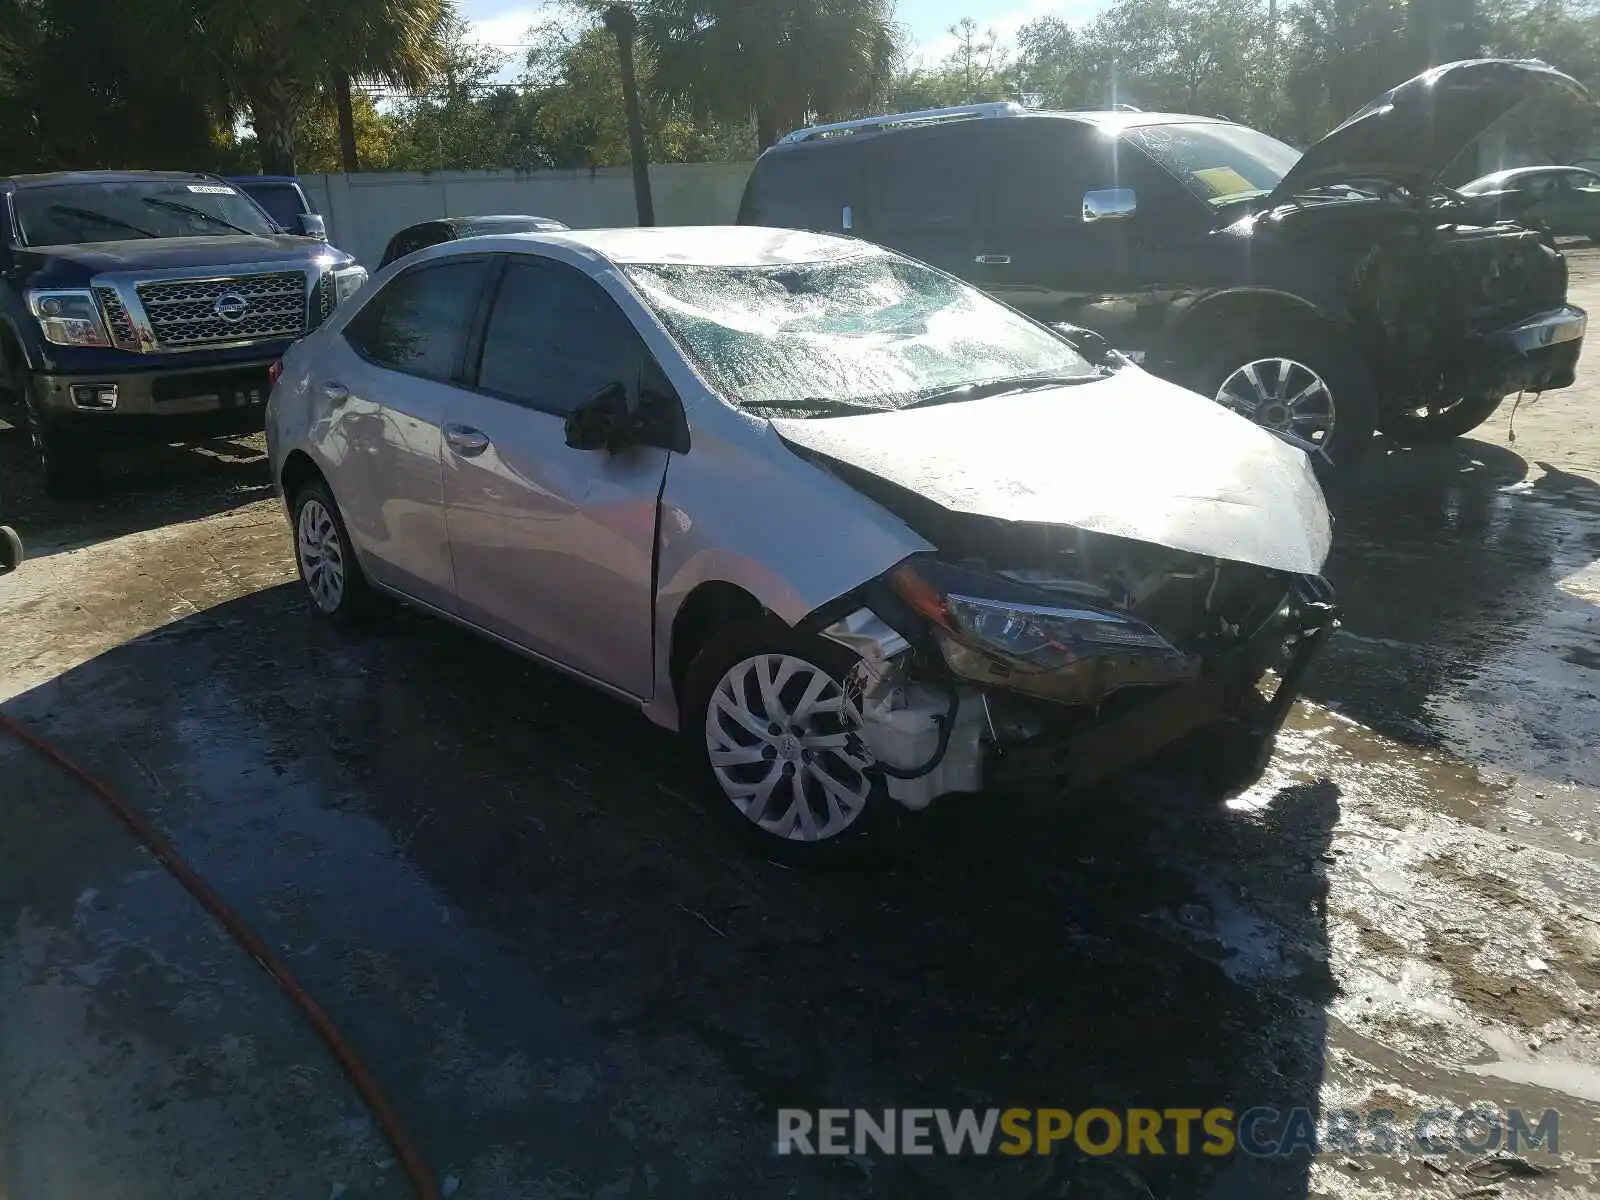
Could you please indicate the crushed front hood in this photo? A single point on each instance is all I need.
(1411, 133)
(1130, 456)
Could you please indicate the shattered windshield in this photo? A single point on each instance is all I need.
(1217, 162)
(67, 214)
(858, 334)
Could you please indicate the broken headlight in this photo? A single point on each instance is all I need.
(999, 617)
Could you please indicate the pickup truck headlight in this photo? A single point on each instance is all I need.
(69, 318)
(347, 282)
(1029, 634)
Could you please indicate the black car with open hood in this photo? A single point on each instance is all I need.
(1325, 294)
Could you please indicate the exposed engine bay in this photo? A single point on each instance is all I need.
(1432, 295)
(1059, 611)
(1050, 636)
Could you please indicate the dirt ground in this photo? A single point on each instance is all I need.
(505, 890)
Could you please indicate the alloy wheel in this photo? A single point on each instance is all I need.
(1286, 397)
(782, 742)
(321, 552)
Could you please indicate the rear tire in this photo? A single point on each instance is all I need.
(765, 712)
(1303, 384)
(1409, 427)
(332, 576)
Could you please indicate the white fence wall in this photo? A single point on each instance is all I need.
(364, 211)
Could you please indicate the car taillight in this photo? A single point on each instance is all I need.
(275, 373)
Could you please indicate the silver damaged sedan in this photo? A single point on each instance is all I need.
(863, 534)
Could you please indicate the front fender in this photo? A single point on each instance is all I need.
(760, 517)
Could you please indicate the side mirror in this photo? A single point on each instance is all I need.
(312, 225)
(1109, 204)
(604, 421)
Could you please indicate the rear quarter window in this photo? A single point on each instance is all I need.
(281, 201)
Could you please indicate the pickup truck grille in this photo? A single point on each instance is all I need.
(246, 308)
(117, 318)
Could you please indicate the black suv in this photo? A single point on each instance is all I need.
(1323, 294)
(147, 306)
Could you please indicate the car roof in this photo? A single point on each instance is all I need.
(1514, 173)
(489, 219)
(702, 245)
(1111, 121)
(263, 178)
(54, 178)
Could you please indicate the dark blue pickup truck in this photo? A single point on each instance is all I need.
(147, 306)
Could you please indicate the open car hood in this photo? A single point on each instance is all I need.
(1129, 455)
(1411, 133)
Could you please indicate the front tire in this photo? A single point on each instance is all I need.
(323, 551)
(1303, 384)
(1424, 426)
(67, 464)
(767, 712)
(11, 553)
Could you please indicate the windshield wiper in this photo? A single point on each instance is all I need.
(100, 218)
(192, 211)
(813, 404)
(998, 387)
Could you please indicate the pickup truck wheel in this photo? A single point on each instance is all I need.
(1428, 424)
(333, 578)
(1303, 385)
(10, 550)
(68, 465)
(768, 714)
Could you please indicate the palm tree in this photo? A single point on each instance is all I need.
(779, 61)
(272, 59)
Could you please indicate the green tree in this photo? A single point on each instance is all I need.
(274, 60)
(779, 63)
(78, 94)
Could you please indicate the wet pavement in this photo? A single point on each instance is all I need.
(505, 889)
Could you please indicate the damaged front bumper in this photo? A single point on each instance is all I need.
(939, 724)
(1539, 354)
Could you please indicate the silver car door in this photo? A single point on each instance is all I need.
(552, 546)
(385, 386)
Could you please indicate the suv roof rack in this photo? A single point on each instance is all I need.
(959, 112)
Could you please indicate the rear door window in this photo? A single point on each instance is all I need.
(804, 188)
(419, 322)
(929, 179)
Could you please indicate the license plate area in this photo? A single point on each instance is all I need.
(210, 391)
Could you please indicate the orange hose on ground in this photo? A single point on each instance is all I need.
(371, 1091)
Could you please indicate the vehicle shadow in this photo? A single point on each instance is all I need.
(546, 889)
(138, 489)
(1447, 559)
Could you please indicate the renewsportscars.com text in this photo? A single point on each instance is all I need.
(1260, 1132)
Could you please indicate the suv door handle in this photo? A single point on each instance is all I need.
(993, 260)
(335, 393)
(465, 440)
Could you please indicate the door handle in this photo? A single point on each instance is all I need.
(335, 393)
(465, 440)
(993, 260)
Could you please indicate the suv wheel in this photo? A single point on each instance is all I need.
(1426, 424)
(322, 550)
(770, 717)
(67, 464)
(1304, 386)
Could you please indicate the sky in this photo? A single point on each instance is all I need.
(504, 23)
